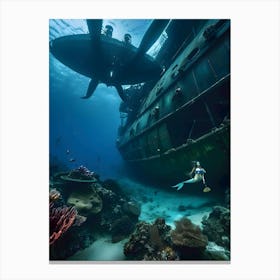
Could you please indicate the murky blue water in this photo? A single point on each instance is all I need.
(87, 129)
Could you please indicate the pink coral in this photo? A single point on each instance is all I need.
(61, 219)
(82, 172)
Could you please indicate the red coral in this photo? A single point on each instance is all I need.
(61, 219)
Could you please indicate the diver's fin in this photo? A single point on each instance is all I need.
(91, 88)
(179, 186)
(121, 92)
(152, 34)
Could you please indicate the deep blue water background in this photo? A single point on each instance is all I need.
(87, 128)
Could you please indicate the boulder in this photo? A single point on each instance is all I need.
(217, 226)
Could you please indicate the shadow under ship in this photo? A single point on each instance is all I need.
(185, 115)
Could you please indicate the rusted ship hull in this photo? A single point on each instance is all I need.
(211, 149)
(185, 116)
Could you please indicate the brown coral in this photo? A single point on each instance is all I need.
(150, 242)
(168, 254)
(188, 239)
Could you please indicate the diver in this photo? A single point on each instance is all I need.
(108, 30)
(127, 38)
(198, 176)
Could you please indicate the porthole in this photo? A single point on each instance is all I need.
(193, 53)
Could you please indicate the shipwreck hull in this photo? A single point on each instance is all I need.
(185, 117)
(172, 166)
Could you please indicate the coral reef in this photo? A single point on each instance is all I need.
(80, 174)
(188, 240)
(131, 207)
(82, 208)
(86, 201)
(79, 220)
(75, 239)
(137, 246)
(121, 228)
(215, 252)
(116, 218)
(61, 219)
(76, 188)
(65, 231)
(105, 207)
(150, 242)
(217, 226)
(113, 185)
(108, 197)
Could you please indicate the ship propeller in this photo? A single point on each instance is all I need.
(152, 34)
(94, 28)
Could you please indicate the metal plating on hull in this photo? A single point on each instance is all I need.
(185, 115)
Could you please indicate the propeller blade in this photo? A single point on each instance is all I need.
(91, 88)
(121, 92)
(152, 34)
(94, 27)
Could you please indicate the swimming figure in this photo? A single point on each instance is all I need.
(198, 172)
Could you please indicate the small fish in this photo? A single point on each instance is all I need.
(72, 160)
(67, 151)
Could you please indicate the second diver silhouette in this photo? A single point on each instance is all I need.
(198, 172)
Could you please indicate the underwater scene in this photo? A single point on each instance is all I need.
(139, 140)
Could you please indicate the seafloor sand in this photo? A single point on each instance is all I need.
(160, 203)
(101, 250)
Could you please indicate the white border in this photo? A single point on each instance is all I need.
(24, 138)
